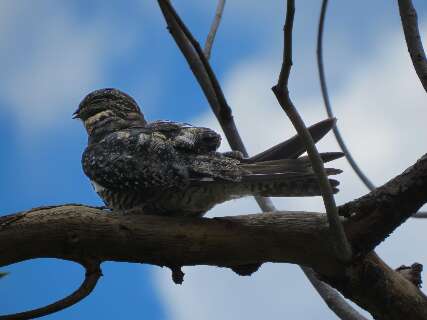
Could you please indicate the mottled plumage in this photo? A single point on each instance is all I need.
(173, 168)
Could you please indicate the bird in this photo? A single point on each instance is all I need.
(175, 169)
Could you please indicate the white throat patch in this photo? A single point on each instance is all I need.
(98, 188)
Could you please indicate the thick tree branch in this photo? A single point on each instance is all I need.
(408, 15)
(385, 293)
(80, 233)
(92, 275)
(339, 242)
(77, 233)
(375, 215)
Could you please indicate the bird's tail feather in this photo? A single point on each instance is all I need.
(284, 178)
(293, 147)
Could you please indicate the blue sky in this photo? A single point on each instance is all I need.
(55, 52)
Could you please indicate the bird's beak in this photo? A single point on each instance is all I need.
(76, 115)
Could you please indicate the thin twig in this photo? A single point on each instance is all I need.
(408, 15)
(332, 298)
(93, 273)
(214, 28)
(324, 88)
(325, 95)
(340, 242)
(227, 123)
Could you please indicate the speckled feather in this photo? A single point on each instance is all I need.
(171, 168)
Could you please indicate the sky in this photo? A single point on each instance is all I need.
(55, 52)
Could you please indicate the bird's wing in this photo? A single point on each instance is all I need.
(185, 136)
(144, 159)
(134, 159)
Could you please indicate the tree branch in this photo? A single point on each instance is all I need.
(385, 293)
(74, 233)
(381, 211)
(340, 243)
(408, 15)
(327, 104)
(332, 298)
(92, 275)
(188, 46)
(198, 63)
(204, 74)
(214, 28)
(324, 88)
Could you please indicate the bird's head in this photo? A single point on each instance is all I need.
(108, 110)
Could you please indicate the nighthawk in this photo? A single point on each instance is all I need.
(170, 168)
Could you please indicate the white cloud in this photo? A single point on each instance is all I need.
(381, 110)
(49, 60)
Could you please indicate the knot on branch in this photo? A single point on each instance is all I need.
(177, 274)
(412, 273)
(246, 269)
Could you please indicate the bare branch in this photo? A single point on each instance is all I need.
(340, 242)
(366, 181)
(285, 71)
(93, 273)
(194, 59)
(293, 149)
(328, 107)
(73, 233)
(408, 15)
(381, 290)
(214, 28)
(332, 298)
(202, 70)
(382, 210)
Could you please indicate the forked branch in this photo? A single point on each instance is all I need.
(188, 46)
(340, 242)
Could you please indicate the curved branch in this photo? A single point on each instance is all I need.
(327, 104)
(214, 28)
(408, 15)
(324, 88)
(340, 242)
(92, 275)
